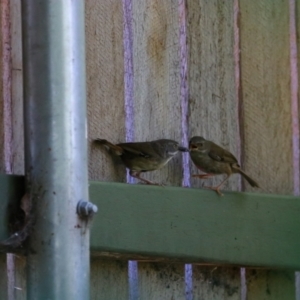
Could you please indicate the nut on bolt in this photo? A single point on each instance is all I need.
(86, 209)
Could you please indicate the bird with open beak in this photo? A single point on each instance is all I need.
(214, 160)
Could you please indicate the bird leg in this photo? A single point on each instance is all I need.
(137, 175)
(217, 188)
(203, 176)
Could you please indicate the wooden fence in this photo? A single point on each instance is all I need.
(223, 69)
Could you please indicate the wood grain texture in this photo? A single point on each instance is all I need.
(266, 98)
(106, 120)
(109, 280)
(11, 136)
(17, 146)
(17, 285)
(6, 267)
(216, 283)
(157, 112)
(156, 63)
(265, 81)
(161, 281)
(213, 111)
(5, 88)
(213, 107)
(105, 85)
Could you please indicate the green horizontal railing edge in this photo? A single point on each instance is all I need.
(184, 224)
(196, 225)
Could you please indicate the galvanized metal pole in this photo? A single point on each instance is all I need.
(55, 145)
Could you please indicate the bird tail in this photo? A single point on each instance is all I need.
(115, 148)
(251, 181)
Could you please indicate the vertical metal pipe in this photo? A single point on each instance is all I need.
(55, 147)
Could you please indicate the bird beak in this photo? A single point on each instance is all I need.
(192, 147)
(183, 149)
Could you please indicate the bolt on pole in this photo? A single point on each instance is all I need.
(56, 148)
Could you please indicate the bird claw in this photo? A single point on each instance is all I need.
(216, 189)
(157, 184)
(148, 182)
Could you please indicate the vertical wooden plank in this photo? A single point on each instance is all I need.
(17, 89)
(213, 113)
(5, 87)
(106, 119)
(211, 79)
(12, 140)
(216, 283)
(265, 80)
(156, 63)
(17, 264)
(105, 85)
(267, 145)
(109, 280)
(5, 83)
(157, 114)
(161, 281)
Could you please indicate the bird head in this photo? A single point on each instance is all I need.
(198, 143)
(170, 147)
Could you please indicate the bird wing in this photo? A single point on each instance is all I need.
(136, 149)
(219, 154)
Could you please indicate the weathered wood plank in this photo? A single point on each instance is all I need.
(213, 106)
(161, 281)
(267, 145)
(156, 61)
(106, 119)
(265, 81)
(16, 264)
(12, 140)
(157, 111)
(197, 225)
(211, 78)
(105, 85)
(216, 283)
(5, 85)
(109, 280)
(17, 142)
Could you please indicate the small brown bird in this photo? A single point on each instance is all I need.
(144, 156)
(214, 160)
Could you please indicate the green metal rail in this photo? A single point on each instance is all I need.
(188, 225)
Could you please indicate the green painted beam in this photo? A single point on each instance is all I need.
(181, 224)
(196, 225)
